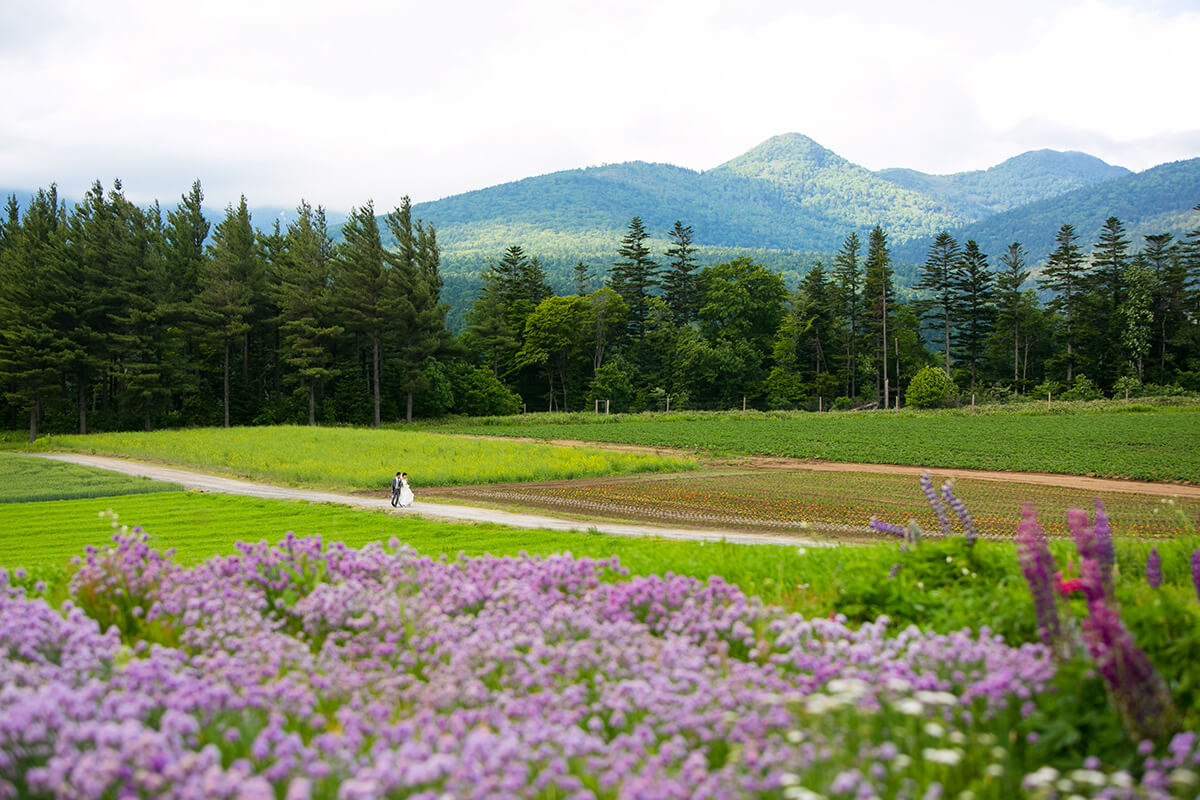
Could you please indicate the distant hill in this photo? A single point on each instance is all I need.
(1158, 200)
(1019, 181)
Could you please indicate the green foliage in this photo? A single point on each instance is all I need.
(931, 387)
(1082, 388)
(25, 479)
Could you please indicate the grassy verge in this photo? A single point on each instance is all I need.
(24, 479)
(1133, 441)
(358, 458)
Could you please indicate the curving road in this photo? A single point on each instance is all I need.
(198, 481)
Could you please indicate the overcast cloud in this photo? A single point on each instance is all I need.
(341, 102)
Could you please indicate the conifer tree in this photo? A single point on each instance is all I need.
(877, 294)
(975, 297)
(1162, 257)
(1064, 275)
(635, 275)
(33, 276)
(939, 275)
(306, 309)
(679, 280)
(848, 279)
(363, 274)
(224, 305)
(1012, 309)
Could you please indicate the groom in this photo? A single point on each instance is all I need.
(395, 490)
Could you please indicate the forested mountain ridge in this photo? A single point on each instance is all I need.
(1158, 200)
(1027, 178)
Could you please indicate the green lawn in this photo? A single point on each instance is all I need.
(1139, 442)
(362, 458)
(23, 478)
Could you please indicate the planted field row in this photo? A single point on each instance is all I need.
(838, 503)
(1153, 445)
(24, 479)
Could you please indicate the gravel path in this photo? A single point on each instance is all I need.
(198, 481)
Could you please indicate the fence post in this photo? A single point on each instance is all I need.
(606, 402)
(1047, 401)
(820, 404)
(743, 402)
(669, 404)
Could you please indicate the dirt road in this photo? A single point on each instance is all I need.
(197, 481)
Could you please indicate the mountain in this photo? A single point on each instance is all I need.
(1158, 200)
(1027, 178)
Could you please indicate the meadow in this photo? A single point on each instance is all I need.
(1136, 441)
(360, 458)
(23, 479)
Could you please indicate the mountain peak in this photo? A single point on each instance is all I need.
(787, 152)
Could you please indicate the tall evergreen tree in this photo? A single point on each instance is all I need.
(423, 320)
(583, 278)
(1162, 257)
(1012, 309)
(848, 278)
(1106, 280)
(975, 296)
(877, 294)
(679, 280)
(1064, 274)
(185, 233)
(635, 275)
(304, 295)
(225, 303)
(33, 276)
(940, 275)
(363, 296)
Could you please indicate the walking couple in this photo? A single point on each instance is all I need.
(401, 494)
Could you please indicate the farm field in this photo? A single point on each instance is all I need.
(1137, 442)
(838, 505)
(24, 479)
(532, 644)
(361, 458)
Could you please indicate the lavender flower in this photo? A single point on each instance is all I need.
(1196, 572)
(935, 503)
(1154, 574)
(1037, 565)
(891, 529)
(960, 509)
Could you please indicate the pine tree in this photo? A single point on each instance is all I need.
(939, 276)
(363, 274)
(877, 293)
(304, 296)
(975, 296)
(224, 305)
(635, 275)
(1106, 281)
(33, 276)
(848, 278)
(679, 280)
(1162, 257)
(185, 233)
(1012, 311)
(1064, 275)
(583, 278)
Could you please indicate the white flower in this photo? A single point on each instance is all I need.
(942, 755)
(901, 762)
(910, 706)
(935, 730)
(795, 737)
(936, 698)
(1181, 777)
(1090, 777)
(898, 684)
(789, 779)
(994, 770)
(1043, 777)
(854, 687)
(1121, 779)
(800, 793)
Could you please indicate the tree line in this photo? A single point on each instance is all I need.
(116, 317)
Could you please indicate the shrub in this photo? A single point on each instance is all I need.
(1082, 388)
(931, 388)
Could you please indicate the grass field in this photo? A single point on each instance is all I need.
(362, 458)
(830, 502)
(1138, 442)
(23, 479)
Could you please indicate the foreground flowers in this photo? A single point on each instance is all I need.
(302, 671)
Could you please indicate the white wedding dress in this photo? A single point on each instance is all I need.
(406, 495)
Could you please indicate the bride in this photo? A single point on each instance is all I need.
(406, 495)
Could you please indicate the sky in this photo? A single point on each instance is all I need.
(340, 102)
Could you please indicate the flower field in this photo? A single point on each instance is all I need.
(309, 671)
(831, 502)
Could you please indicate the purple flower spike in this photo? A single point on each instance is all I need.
(1154, 569)
(1037, 565)
(960, 509)
(1196, 572)
(935, 503)
(899, 531)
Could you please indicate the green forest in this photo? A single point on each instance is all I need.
(120, 317)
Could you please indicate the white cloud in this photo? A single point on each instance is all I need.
(338, 103)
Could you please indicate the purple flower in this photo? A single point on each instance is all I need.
(960, 510)
(935, 503)
(1037, 565)
(1196, 572)
(1154, 574)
